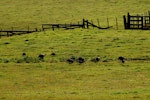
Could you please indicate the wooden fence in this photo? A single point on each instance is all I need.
(16, 32)
(87, 24)
(137, 22)
(65, 26)
(130, 22)
(84, 24)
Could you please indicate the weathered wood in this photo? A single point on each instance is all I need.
(93, 25)
(85, 24)
(142, 23)
(15, 32)
(136, 22)
(116, 23)
(125, 22)
(107, 22)
(128, 21)
(21, 31)
(66, 26)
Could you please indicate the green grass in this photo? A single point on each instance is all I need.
(20, 14)
(80, 42)
(56, 79)
(63, 81)
(28, 78)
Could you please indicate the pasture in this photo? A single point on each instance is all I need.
(28, 78)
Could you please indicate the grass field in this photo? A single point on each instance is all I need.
(28, 78)
(18, 13)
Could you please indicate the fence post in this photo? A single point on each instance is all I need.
(53, 27)
(0, 33)
(98, 22)
(138, 20)
(7, 34)
(36, 29)
(149, 15)
(107, 21)
(42, 28)
(87, 24)
(28, 28)
(116, 23)
(142, 22)
(128, 26)
(59, 26)
(125, 22)
(65, 25)
(83, 24)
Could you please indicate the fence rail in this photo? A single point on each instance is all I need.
(14, 32)
(66, 26)
(137, 22)
(85, 24)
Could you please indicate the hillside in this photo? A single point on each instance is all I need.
(23, 76)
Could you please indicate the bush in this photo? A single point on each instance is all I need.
(28, 60)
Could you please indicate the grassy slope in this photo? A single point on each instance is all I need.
(53, 79)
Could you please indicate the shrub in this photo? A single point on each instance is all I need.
(28, 59)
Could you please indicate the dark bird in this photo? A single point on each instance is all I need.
(53, 54)
(97, 59)
(81, 60)
(24, 54)
(41, 56)
(70, 61)
(122, 59)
